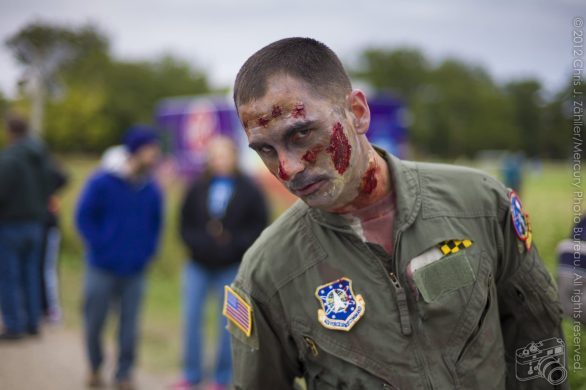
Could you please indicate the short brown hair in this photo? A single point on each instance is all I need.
(303, 58)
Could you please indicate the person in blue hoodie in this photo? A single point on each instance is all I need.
(119, 217)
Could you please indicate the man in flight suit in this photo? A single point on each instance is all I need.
(388, 274)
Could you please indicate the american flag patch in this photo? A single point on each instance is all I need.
(237, 310)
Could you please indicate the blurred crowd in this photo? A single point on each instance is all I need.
(119, 215)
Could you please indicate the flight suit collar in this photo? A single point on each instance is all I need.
(405, 184)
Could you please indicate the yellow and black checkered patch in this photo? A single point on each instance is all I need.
(453, 246)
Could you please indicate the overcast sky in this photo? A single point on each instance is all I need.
(512, 39)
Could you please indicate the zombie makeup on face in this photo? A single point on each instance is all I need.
(263, 121)
(311, 155)
(276, 111)
(283, 175)
(339, 148)
(369, 181)
(298, 110)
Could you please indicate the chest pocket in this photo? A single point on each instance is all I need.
(462, 300)
(329, 364)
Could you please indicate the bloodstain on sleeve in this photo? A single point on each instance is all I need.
(339, 148)
(298, 111)
(276, 111)
(283, 175)
(311, 155)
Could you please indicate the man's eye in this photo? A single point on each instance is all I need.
(302, 134)
(266, 150)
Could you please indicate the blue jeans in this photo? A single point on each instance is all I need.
(20, 283)
(103, 289)
(197, 282)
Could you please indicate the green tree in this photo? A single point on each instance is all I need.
(527, 104)
(457, 109)
(403, 71)
(558, 118)
(95, 97)
(462, 111)
(44, 50)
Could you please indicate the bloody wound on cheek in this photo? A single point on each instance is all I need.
(283, 175)
(339, 148)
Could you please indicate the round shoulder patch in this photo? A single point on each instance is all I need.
(520, 220)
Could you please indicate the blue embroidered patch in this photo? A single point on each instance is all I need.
(341, 308)
(520, 220)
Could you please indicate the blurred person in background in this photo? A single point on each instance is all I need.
(572, 272)
(119, 216)
(25, 185)
(50, 250)
(512, 171)
(222, 215)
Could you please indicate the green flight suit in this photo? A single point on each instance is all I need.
(459, 328)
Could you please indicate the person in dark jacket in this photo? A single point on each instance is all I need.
(222, 215)
(25, 185)
(119, 216)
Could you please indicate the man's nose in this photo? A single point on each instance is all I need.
(289, 165)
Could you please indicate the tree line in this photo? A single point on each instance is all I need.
(454, 108)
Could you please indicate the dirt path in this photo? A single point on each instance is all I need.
(56, 361)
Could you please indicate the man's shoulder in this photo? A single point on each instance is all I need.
(453, 190)
(277, 254)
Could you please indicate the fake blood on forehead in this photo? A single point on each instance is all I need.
(263, 121)
(339, 148)
(298, 111)
(276, 111)
(283, 175)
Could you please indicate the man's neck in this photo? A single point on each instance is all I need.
(375, 184)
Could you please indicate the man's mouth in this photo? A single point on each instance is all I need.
(308, 189)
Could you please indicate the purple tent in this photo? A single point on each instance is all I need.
(189, 122)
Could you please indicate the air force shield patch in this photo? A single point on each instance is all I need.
(341, 308)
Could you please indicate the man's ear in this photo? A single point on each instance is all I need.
(360, 111)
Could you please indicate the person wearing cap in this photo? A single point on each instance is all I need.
(119, 216)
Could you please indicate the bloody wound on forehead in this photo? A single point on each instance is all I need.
(298, 110)
(276, 111)
(263, 121)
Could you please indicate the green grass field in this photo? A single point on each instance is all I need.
(546, 196)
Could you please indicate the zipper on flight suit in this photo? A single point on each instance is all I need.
(402, 305)
(393, 276)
